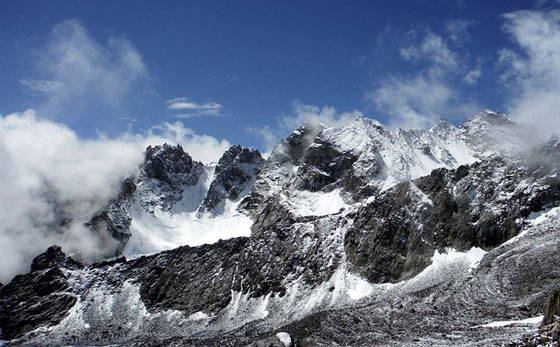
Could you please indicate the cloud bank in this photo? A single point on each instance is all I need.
(52, 182)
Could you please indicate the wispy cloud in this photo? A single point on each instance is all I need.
(421, 98)
(457, 29)
(41, 86)
(191, 109)
(531, 73)
(432, 48)
(75, 72)
(473, 75)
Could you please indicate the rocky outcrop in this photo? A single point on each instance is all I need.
(190, 279)
(115, 218)
(324, 166)
(42, 297)
(167, 170)
(552, 310)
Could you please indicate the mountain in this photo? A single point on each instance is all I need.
(352, 235)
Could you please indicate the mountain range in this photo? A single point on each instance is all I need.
(353, 235)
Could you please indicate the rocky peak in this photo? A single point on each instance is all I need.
(294, 147)
(235, 173)
(42, 297)
(493, 118)
(53, 257)
(169, 164)
(492, 133)
(238, 156)
(445, 130)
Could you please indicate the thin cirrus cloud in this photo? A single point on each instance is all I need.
(458, 30)
(41, 86)
(186, 108)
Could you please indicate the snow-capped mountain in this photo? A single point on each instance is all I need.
(359, 234)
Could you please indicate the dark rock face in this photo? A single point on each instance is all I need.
(168, 164)
(190, 279)
(39, 298)
(552, 308)
(54, 257)
(323, 166)
(482, 205)
(236, 172)
(115, 218)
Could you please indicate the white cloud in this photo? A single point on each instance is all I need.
(432, 48)
(420, 99)
(418, 102)
(532, 73)
(75, 71)
(48, 174)
(194, 109)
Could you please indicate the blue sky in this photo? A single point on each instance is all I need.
(250, 71)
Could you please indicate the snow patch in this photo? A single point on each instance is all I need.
(162, 230)
(284, 338)
(197, 316)
(304, 203)
(527, 321)
(444, 266)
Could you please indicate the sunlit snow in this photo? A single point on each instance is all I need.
(498, 324)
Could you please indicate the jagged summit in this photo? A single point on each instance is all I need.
(491, 133)
(235, 173)
(169, 164)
